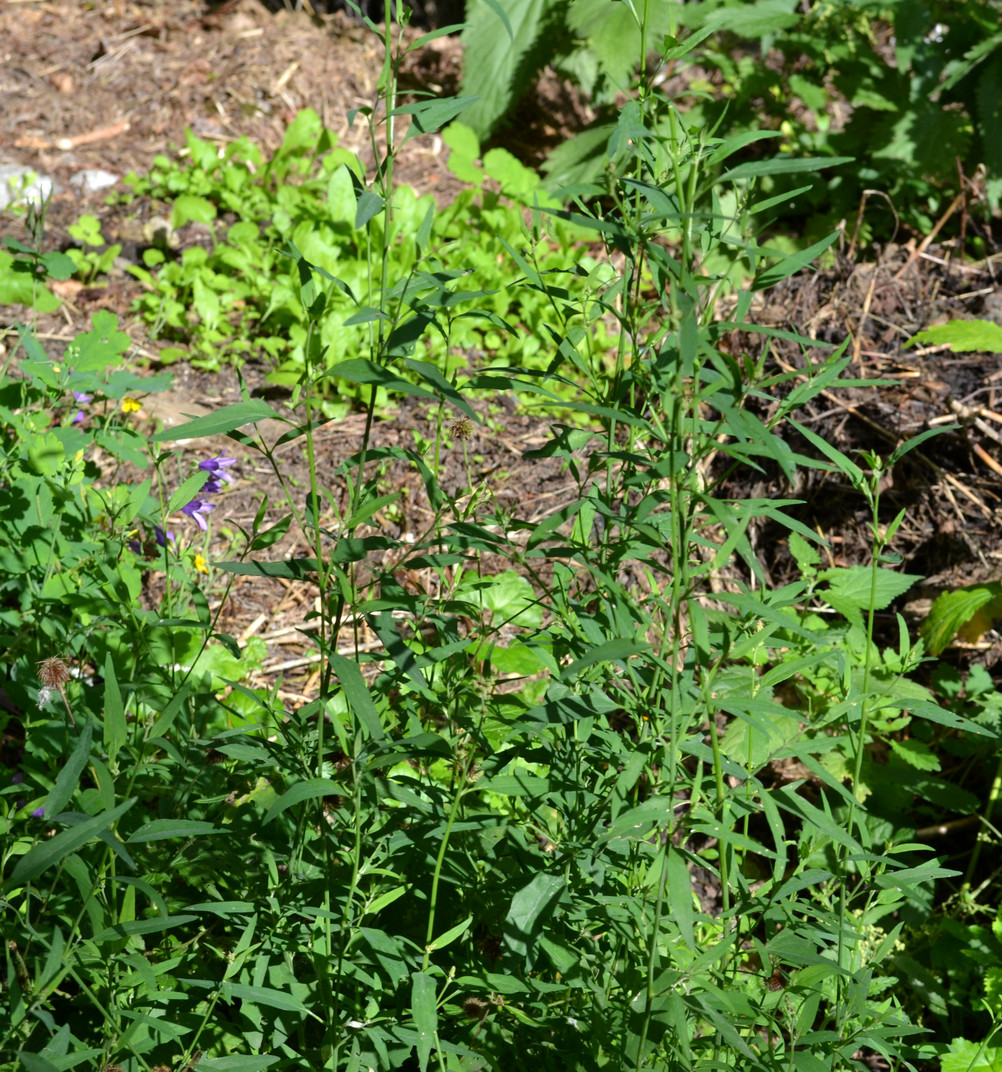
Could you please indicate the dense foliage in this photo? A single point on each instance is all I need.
(622, 804)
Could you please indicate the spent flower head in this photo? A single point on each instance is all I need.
(462, 429)
(53, 672)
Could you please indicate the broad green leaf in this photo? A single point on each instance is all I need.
(357, 694)
(69, 776)
(227, 419)
(424, 1008)
(967, 1056)
(165, 829)
(851, 589)
(973, 609)
(962, 336)
(498, 71)
(102, 346)
(188, 208)
(530, 909)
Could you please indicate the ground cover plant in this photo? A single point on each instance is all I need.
(239, 297)
(623, 803)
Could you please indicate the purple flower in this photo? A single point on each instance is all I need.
(163, 538)
(196, 510)
(216, 468)
(18, 778)
(81, 397)
(38, 812)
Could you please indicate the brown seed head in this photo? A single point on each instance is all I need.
(475, 1008)
(53, 672)
(462, 429)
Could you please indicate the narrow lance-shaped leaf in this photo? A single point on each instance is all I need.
(49, 853)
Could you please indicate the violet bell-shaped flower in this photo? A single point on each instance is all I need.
(196, 510)
(218, 472)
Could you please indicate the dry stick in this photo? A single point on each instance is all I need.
(859, 219)
(857, 342)
(927, 241)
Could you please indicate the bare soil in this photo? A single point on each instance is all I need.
(110, 84)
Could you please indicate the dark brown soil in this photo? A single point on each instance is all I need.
(111, 84)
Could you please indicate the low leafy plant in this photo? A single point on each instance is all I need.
(239, 296)
(89, 260)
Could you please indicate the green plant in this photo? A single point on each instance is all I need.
(915, 84)
(536, 815)
(88, 262)
(909, 90)
(240, 296)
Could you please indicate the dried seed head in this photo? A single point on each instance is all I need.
(475, 1008)
(53, 672)
(462, 429)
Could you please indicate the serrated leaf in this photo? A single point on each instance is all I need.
(915, 754)
(499, 73)
(852, 588)
(962, 336)
(950, 612)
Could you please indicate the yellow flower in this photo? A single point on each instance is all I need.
(200, 564)
(130, 405)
